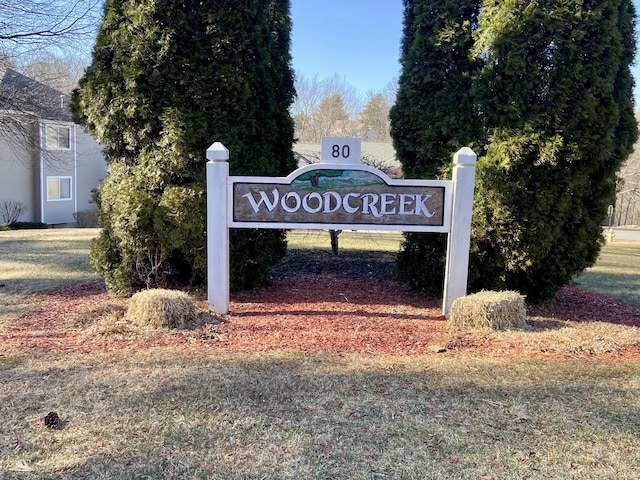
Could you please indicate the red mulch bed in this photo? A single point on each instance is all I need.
(327, 312)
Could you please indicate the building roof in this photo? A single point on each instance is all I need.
(23, 95)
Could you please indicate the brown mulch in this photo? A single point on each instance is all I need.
(314, 303)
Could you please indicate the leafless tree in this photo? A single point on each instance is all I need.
(309, 93)
(627, 210)
(351, 98)
(27, 26)
(23, 103)
(313, 97)
(34, 32)
(390, 91)
(61, 72)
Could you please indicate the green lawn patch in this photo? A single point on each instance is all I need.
(616, 273)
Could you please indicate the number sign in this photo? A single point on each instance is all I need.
(340, 150)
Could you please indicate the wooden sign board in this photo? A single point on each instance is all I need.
(350, 197)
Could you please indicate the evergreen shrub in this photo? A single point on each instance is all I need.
(27, 225)
(167, 79)
(543, 92)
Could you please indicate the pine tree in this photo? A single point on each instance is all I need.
(166, 80)
(434, 114)
(556, 95)
(375, 115)
(330, 113)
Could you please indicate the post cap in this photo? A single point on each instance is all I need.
(217, 153)
(465, 156)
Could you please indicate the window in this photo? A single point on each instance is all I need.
(58, 188)
(58, 136)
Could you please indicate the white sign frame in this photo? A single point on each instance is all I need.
(458, 202)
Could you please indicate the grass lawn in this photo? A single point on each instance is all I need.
(40, 261)
(348, 240)
(176, 413)
(163, 414)
(616, 274)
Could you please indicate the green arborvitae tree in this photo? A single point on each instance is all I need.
(167, 79)
(434, 114)
(551, 84)
(556, 95)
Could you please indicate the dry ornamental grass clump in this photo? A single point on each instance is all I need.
(161, 308)
(489, 310)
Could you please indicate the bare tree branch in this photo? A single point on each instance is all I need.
(45, 27)
(23, 104)
(56, 71)
(308, 107)
(628, 189)
(29, 25)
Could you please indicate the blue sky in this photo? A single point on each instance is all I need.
(359, 40)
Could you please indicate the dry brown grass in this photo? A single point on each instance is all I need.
(161, 308)
(488, 310)
(176, 412)
(296, 415)
(105, 320)
(573, 338)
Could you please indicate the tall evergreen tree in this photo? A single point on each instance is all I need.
(330, 112)
(375, 115)
(434, 114)
(166, 80)
(556, 93)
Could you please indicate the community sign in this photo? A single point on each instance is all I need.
(337, 193)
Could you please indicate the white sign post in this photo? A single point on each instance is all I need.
(217, 228)
(459, 241)
(339, 193)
